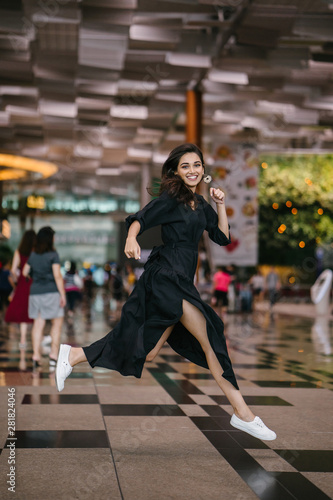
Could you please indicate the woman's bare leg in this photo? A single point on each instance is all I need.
(23, 332)
(55, 336)
(76, 356)
(36, 334)
(153, 353)
(194, 321)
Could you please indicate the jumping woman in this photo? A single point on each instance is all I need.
(165, 305)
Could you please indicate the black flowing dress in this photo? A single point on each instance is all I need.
(157, 299)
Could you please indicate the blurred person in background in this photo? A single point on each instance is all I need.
(17, 311)
(257, 283)
(272, 285)
(232, 292)
(130, 279)
(6, 287)
(107, 276)
(117, 293)
(88, 293)
(221, 281)
(245, 297)
(88, 284)
(47, 297)
(73, 288)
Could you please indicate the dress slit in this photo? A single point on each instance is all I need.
(215, 337)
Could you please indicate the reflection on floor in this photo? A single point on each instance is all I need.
(167, 435)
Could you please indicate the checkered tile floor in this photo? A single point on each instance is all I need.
(167, 435)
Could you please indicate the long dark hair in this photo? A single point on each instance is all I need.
(27, 242)
(44, 240)
(172, 183)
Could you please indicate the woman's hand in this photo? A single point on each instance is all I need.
(26, 270)
(62, 300)
(132, 248)
(217, 195)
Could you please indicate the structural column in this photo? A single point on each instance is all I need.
(193, 117)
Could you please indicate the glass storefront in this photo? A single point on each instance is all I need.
(83, 238)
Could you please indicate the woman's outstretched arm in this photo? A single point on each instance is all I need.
(219, 197)
(132, 247)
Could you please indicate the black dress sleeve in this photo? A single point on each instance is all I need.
(212, 226)
(156, 212)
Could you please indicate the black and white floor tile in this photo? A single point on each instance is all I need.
(167, 435)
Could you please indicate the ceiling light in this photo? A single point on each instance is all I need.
(223, 117)
(138, 86)
(129, 112)
(14, 90)
(188, 60)
(11, 174)
(85, 149)
(57, 108)
(21, 111)
(139, 153)
(96, 87)
(153, 34)
(324, 102)
(45, 169)
(233, 77)
(252, 122)
(302, 116)
(168, 83)
(275, 107)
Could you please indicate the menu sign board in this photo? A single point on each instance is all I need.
(235, 171)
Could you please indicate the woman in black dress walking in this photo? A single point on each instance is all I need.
(165, 305)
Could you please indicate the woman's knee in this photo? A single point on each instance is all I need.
(57, 322)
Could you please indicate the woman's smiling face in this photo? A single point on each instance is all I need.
(190, 169)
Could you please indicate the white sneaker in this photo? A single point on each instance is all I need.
(63, 369)
(256, 428)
